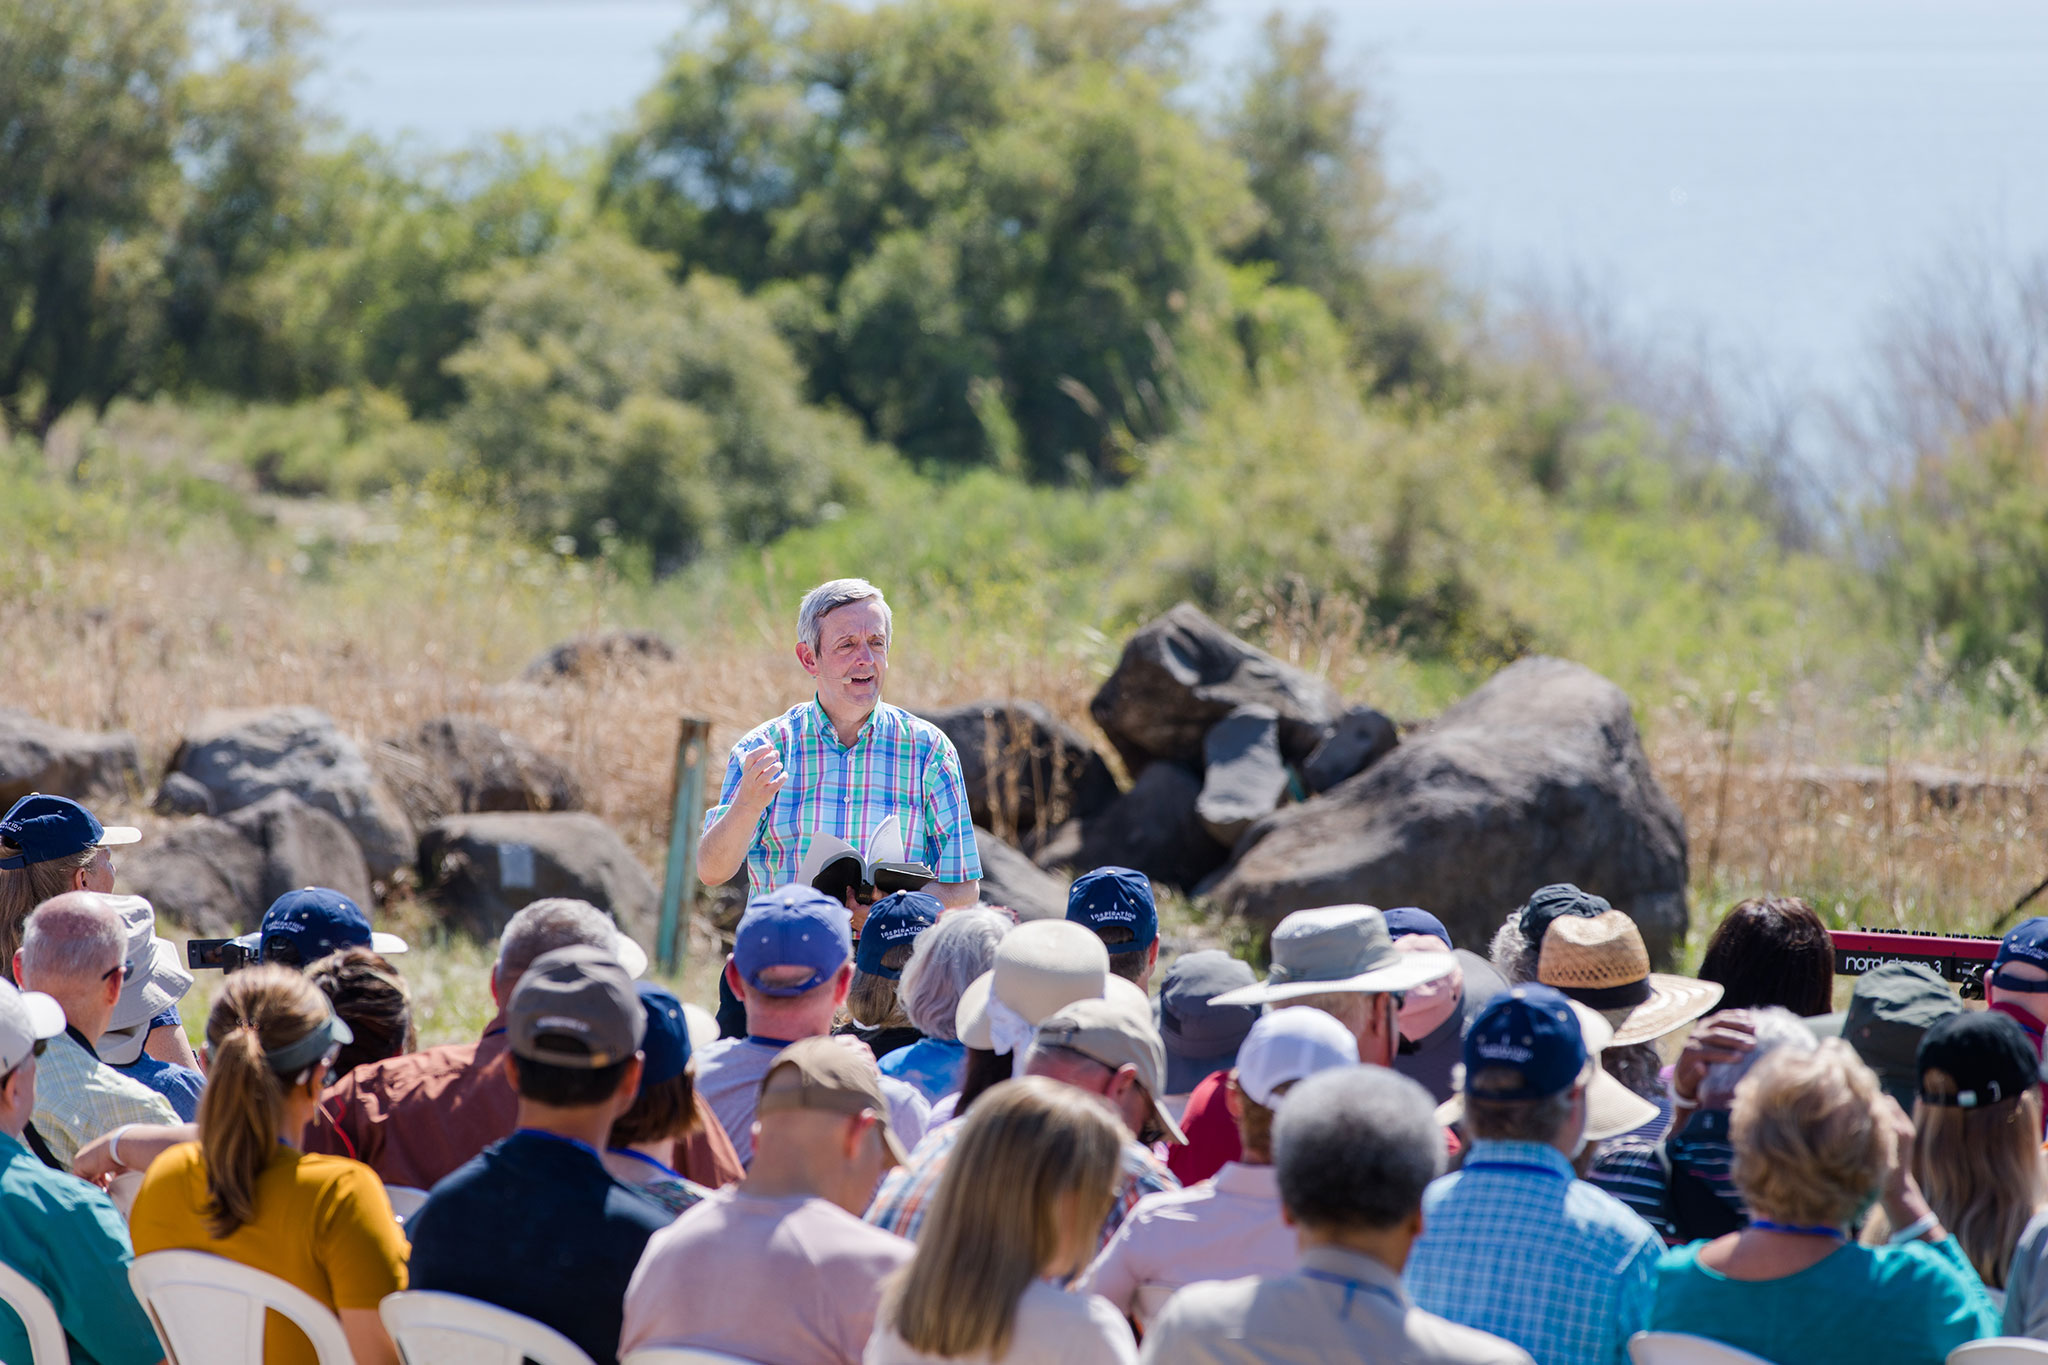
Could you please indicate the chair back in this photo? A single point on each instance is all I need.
(432, 1328)
(1677, 1348)
(1995, 1351)
(683, 1355)
(208, 1310)
(406, 1200)
(46, 1343)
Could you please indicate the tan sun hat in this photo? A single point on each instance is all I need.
(1039, 967)
(1611, 1107)
(1600, 962)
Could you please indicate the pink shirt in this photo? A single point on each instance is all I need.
(779, 1281)
(1224, 1228)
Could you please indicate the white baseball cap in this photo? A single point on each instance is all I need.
(26, 1018)
(1289, 1045)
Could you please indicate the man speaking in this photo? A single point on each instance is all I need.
(841, 764)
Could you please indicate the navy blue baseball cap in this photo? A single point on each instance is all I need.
(792, 926)
(1533, 1030)
(2028, 943)
(896, 919)
(1116, 895)
(1404, 920)
(666, 1048)
(44, 828)
(303, 926)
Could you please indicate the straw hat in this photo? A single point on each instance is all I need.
(1600, 961)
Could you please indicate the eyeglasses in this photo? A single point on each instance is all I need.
(110, 973)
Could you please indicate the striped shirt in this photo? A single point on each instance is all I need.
(80, 1098)
(906, 1192)
(1515, 1245)
(1684, 1186)
(899, 765)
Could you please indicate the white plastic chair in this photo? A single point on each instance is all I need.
(406, 1200)
(46, 1343)
(432, 1328)
(1995, 1351)
(208, 1310)
(1677, 1348)
(682, 1355)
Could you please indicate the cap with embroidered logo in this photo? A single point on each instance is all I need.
(895, 922)
(303, 926)
(43, 828)
(1116, 898)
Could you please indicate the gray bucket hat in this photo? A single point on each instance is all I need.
(1337, 948)
(1892, 1006)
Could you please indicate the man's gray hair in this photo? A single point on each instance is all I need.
(1514, 957)
(73, 937)
(545, 925)
(1354, 1147)
(1774, 1027)
(944, 961)
(827, 598)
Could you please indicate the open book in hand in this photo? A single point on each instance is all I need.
(835, 867)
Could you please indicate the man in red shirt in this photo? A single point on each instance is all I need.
(416, 1117)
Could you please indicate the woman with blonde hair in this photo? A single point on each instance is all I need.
(1816, 1144)
(1018, 1208)
(1977, 1136)
(246, 1192)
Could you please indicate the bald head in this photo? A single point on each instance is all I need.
(69, 949)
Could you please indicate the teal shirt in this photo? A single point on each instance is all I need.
(66, 1236)
(1903, 1305)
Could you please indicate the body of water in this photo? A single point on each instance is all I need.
(1771, 173)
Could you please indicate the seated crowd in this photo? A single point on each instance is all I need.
(963, 1138)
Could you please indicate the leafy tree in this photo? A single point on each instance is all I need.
(606, 400)
(984, 222)
(1312, 160)
(373, 294)
(136, 181)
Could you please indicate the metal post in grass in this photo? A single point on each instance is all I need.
(679, 890)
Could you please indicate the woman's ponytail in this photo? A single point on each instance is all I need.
(259, 1010)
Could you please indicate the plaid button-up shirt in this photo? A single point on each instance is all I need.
(899, 765)
(80, 1098)
(1515, 1245)
(907, 1191)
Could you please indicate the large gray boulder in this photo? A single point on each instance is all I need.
(36, 756)
(1244, 778)
(217, 876)
(462, 765)
(1023, 765)
(1360, 738)
(1010, 879)
(1182, 673)
(1152, 827)
(242, 756)
(1537, 777)
(483, 869)
(302, 845)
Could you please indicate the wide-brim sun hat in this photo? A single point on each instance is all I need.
(1040, 967)
(1337, 948)
(1601, 962)
(1611, 1107)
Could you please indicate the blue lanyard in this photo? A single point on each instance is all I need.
(632, 1155)
(1353, 1287)
(1798, 1230)
(777, 1043)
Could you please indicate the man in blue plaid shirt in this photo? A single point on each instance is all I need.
(1514, 1243)
(841, 763)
